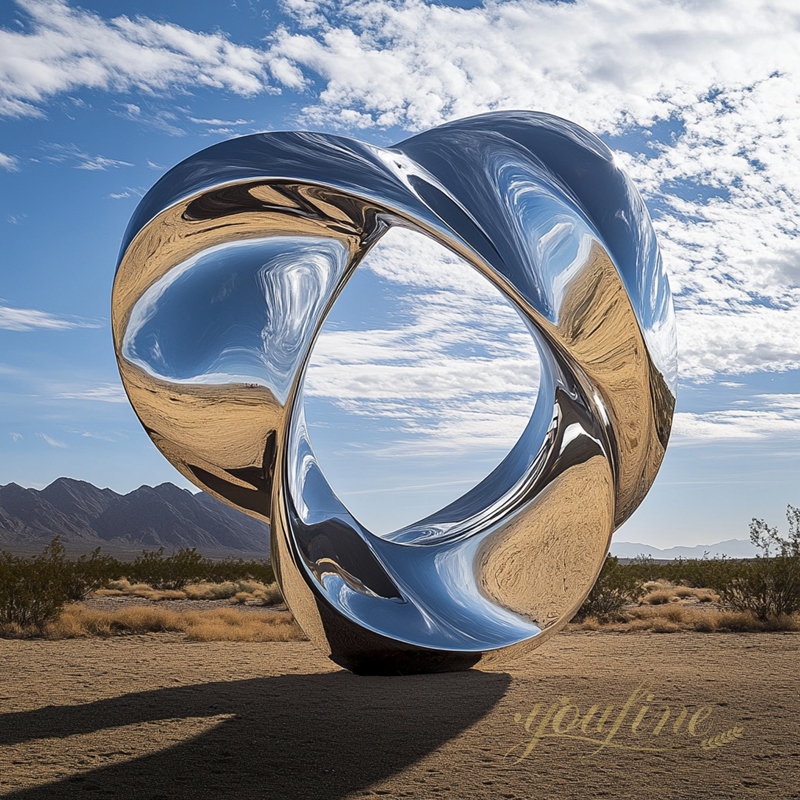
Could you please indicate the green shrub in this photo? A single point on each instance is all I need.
(615, 586)
(185, 566)
(645, 568)
(700, 573)
(768, 585)
(168, 572)
(239, 570)
(88, 573)
(33, 590)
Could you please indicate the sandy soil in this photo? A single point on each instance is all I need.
(157, 717)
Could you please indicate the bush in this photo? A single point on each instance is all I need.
(168, 572)
(87, 574)
(33, 591)
(768, 585)
(238, 570)
(615, 586)
(645, 569)
(188, 566)
(698, 573)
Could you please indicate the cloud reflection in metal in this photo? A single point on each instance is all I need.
(227, 271)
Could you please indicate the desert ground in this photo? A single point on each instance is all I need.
(155, 716)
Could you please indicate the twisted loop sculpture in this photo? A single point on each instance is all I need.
(227, 271)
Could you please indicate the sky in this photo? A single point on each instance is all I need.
(423, 376)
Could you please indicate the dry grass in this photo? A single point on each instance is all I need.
(655, 586)
(659, 597)
(219, 625)
(270, 595)
(706, 596)
(679, 616)
(660, 625)
(662, 592)
(241, 592)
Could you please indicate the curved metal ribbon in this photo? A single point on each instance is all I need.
(227, 271)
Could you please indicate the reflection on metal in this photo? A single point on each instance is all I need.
(227, 271)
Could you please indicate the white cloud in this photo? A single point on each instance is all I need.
(602, 64)
(15, 437)
(717, 84)
(28, 319)
(69, 153)
(126, 193)
(102, 437)
(737, 340)
(9, 163)
(101, 163)
(456, 371)
(770, 416)
(221, 122)
(722, 78)
(52, 442)
(66, 49)
(109, 393)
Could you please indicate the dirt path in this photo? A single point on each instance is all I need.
(157, 717)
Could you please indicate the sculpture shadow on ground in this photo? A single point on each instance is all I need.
(304, 736)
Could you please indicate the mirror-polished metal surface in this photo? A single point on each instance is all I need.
(227, 271)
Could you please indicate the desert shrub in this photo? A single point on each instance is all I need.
(767, 586)
(33, 590)
(88, 573)
(167, 572)
(187, 566)
(705, 572)
(238, 569)
(645, 569)
(702, 572)
(615, 586)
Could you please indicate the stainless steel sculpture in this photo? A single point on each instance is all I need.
(227, 271)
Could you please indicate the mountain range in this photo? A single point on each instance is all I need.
(733, 548)
(167, 516)
(149, 517)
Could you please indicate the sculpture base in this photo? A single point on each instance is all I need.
(393, 662)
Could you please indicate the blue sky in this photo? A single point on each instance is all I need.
(423, 377)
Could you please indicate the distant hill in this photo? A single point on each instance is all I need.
(733, 548)
(86, 517)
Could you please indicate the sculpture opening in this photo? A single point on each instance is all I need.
(422, 379)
